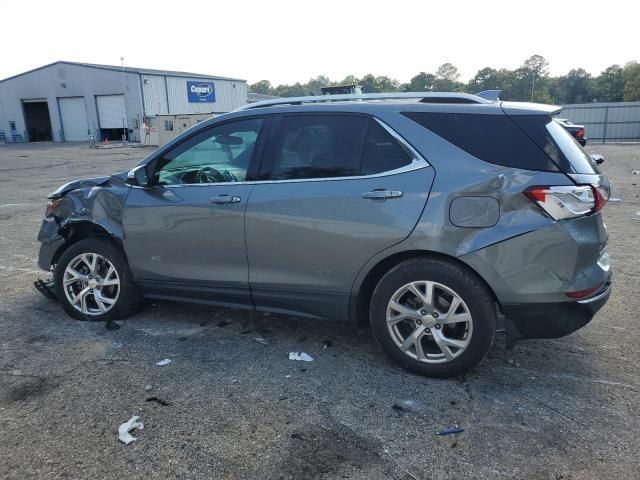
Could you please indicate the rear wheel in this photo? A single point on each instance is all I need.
(433, 317)
(94, 282)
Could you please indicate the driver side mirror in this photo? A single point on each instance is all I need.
(138, 176)
(599, 159)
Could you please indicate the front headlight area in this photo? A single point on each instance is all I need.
(52, 206)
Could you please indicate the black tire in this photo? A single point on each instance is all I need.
(466, 284)
(129, 299)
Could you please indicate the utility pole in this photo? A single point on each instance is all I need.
(533, 84)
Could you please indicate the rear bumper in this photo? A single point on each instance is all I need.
(552, 320)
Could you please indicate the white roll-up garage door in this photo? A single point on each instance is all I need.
(111, 111)
(74, 119)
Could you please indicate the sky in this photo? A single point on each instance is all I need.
(289, 41)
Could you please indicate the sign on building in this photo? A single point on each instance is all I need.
(201, 92)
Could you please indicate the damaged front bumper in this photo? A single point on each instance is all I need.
(552, 320)
(50, 241)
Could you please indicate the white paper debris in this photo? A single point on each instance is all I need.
(123, 431)
(301, 356)
(166, 361)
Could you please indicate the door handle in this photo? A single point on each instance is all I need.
(382, 194)
(223, 199)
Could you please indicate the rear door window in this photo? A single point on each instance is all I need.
(493, 138)
(318, 146)
(326, 146)
(381, 152)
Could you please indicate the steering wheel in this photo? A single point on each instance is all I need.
(211, 175)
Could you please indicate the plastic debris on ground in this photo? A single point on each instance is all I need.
(161, 363)
(123, 430)
(327, 344)
(636, 172)
(260, 340)
(614, 199)
(450, 431)
(406, 406)
(147, 388)
(300, 356)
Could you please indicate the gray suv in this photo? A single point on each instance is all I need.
(430, 216)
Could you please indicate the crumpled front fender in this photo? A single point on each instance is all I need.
(89, 209)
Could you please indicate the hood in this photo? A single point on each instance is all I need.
(84, 183)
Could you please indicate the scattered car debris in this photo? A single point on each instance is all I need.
(111, 325)
(450, 431)
(300, 356)
(260, 340)
(123, 430)
(46, 288)
(406, 406)
(161, 363)
(157, 400)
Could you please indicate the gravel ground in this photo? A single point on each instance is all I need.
(228, 406)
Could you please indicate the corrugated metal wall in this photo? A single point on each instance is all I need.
(230, 94)
(154, 94)
(606, 122)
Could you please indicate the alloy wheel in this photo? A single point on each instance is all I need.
(91, 284)
(429, 322)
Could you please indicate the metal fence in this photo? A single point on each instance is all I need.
(606, 122)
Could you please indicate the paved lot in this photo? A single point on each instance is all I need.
(554, 409)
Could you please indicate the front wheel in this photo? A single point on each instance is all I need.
(94, 282)
(433, 317)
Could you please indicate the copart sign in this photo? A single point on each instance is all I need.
(199, 92)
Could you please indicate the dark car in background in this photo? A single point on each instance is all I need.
(576, 131)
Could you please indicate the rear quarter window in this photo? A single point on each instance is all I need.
(492, 138)
(557, 143)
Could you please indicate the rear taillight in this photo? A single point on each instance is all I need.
(583, 293)
(568, 202)
(580, 133)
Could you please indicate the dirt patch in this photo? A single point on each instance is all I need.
(30, 389)
(318, 453)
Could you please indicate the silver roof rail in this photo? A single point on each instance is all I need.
(493, 95)
(425, 97)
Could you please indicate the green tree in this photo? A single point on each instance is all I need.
(372, 84)
(609, 85)
(422, 82)
(575, 87)
(535, 70)
(447, 76)
(631, 82)
(263, 87)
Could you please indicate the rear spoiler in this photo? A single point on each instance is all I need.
(492, 95)
(526, 108)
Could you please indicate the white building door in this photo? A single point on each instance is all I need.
(111, 111)
(74, 119)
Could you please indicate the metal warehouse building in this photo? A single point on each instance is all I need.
(68, 101)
